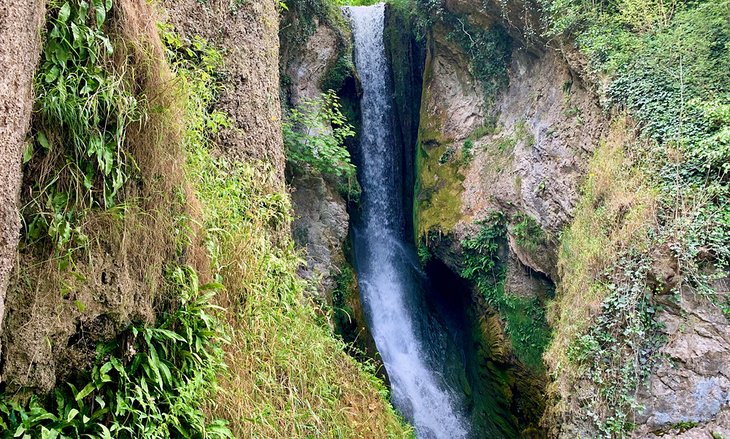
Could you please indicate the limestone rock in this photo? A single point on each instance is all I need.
(320, 225)
(310, 64)
(692, 382)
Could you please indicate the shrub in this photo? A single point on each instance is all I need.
(314, 135)
(527, 232)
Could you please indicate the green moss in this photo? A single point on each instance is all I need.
(438, 186)
(438, 192)
(339, 71)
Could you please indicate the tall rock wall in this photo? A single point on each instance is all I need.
(20, 27)
(528, 151)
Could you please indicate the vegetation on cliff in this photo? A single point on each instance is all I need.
(524, 316)
(659, 201)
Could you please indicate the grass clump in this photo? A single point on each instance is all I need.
(616, 212)
(83, 109)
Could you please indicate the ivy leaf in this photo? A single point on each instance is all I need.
(100, 12)
(43, 140)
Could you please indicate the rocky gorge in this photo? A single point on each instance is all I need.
(560, 175)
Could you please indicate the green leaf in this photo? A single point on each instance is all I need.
(86, 391)
(154, 363)
(43, 140)
(28, 153)
(64, 13)
(215, 286)
(100, 16)
(72, 414)
(172, 335)
(52, 74)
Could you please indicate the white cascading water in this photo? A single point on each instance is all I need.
(389, 278)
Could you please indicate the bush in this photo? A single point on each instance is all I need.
(314, 135)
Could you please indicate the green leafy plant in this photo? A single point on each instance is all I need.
(314, 135)
(151, 383)
(83, 109)
(625, 329)
(467, 151)
(527, 231)
(424, 253)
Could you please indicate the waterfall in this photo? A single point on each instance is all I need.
(410, 343)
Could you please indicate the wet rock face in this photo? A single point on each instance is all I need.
(526, 153)
(453, 102)
(20, 25)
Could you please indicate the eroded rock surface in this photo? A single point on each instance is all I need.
(691, 384)
(532, 160)
(20, 26)
(320, 225)
(248, 34)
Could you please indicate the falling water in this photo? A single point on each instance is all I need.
(411, 344)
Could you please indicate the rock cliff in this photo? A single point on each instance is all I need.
(20, 26)
(532, 145)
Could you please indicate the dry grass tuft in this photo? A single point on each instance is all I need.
(617, 210)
